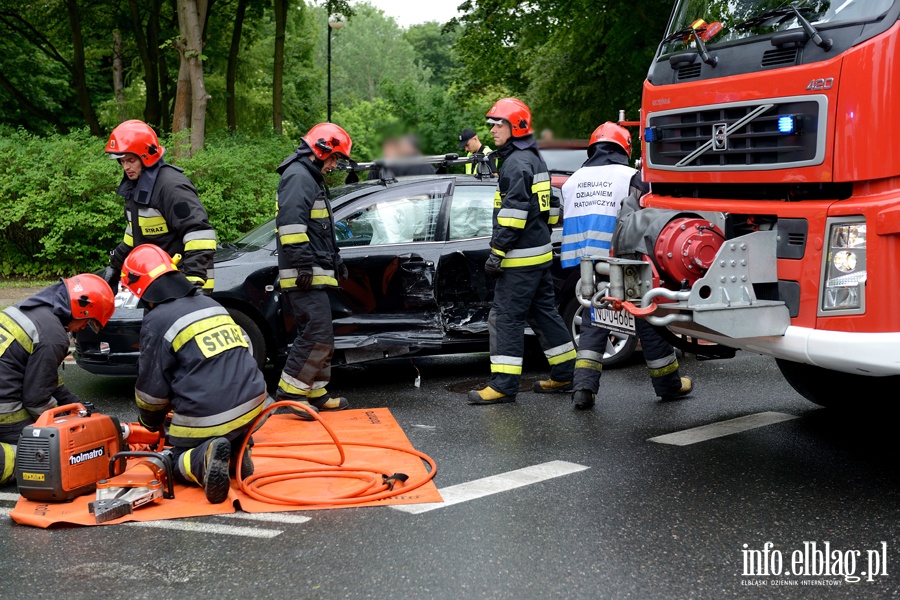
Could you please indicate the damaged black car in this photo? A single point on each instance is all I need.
(415, 248)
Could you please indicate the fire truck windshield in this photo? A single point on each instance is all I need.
(718, 21)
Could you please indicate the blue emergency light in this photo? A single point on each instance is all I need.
(786, 124)
(650, 134)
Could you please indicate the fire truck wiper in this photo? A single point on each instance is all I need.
(809, 28)
(701, 46)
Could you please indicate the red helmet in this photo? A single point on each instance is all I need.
(135, 137)
(514, 112)
(326, 139)
(90, 298)
(144, 265)
(610, 132)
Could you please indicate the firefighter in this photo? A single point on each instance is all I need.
(592, 198)
(33, 343)
(161, 207)
(309, 264)
(468, 141)
(195, 362)
(520, 260)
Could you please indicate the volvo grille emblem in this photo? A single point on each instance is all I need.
(720, 137)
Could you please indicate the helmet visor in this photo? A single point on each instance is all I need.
(114, 156)
(495, 121)
(95, 326)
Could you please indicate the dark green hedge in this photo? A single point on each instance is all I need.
(59, 213)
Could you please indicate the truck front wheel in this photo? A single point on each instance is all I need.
(833, 388)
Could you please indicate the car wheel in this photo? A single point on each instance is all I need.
(619, 347)
(252, 334)
(836, 390)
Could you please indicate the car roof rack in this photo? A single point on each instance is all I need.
(385, 166)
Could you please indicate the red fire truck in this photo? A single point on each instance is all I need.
(771, 142)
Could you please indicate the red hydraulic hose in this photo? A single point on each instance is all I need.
(374, 484)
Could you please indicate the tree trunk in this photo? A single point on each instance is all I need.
(118, 74)
(190, 12)
(78, 70)
(165, 81)
(281, 11)
(146, 49)
(182, 117)
(231, 75)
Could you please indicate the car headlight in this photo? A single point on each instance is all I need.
(845, 267)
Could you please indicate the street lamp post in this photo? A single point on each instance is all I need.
(335, 21)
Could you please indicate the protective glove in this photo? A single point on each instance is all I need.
(304, 279)
(111, 276)
(343, 272)
(492, 266)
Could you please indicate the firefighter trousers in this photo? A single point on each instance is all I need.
(658, 354)
(308, 367)
(522, 296)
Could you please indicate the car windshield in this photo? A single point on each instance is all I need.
(719, 21)
(563, 160)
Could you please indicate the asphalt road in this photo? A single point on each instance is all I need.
(643, 520)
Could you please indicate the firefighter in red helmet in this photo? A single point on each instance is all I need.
(161, 206)
(520, 259)
(195, 362)
(309, 263)
(588, 230)
(34, 341)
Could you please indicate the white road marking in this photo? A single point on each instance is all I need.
(195, 527)
(4, 511)
(268, 517)
(9, 496)
(721, 429)
(494, 484)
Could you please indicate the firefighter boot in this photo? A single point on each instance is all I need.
(583, 399)
(246, 464)
(687, 386)
(550, 385)
(216, 481)
(489, 395)
(323, 404)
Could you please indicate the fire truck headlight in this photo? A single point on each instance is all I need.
(845, 269)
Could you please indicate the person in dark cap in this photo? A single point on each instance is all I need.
(468, 141)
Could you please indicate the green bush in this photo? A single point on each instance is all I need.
(59, 213)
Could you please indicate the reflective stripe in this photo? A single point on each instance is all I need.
(664, 371)
(499, 253)
(526, 257)
(14, 417)
(9, 462)
(575, 238)
(189, 318)
(562, 348)
(20, 327)
(286, 229)
(589, 355)
(319, 210)
(185, 467)
(540, 186)
(293, 238)
(661, 362)
(506, 360)
(292, 383)
(221, 418)
(561, 358)
(189, 431)
(319, 277)
(128, 240)
(576, 254)
(149, 213)
(194, 279)
(209, 284)
(194, 329)
(510, 217)
(591, 365)
(148, 402)
(313, 394)
(508, 369)
(287, 273)
(36, 411)
(498, 199)
(541, 177)
(554, 216)
(200, 240)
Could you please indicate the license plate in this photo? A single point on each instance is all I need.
(621, 321)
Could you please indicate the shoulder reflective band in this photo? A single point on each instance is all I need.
(151, 222)
(200, 240)
(540, 187)
(20, 327)
(195, 322)
(510, 217)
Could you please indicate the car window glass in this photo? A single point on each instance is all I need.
(563, 160)
(471, 211)
(259, 237)
(406, 215)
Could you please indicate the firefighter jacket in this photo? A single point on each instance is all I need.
(524, 208)
(592, 197)
(162, 208)
(304, 224)
(33, 343)
(194, 361)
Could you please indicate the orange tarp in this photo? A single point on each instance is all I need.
(361, 425)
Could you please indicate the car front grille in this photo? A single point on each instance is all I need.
(738, 136)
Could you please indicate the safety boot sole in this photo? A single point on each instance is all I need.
(216, 481)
